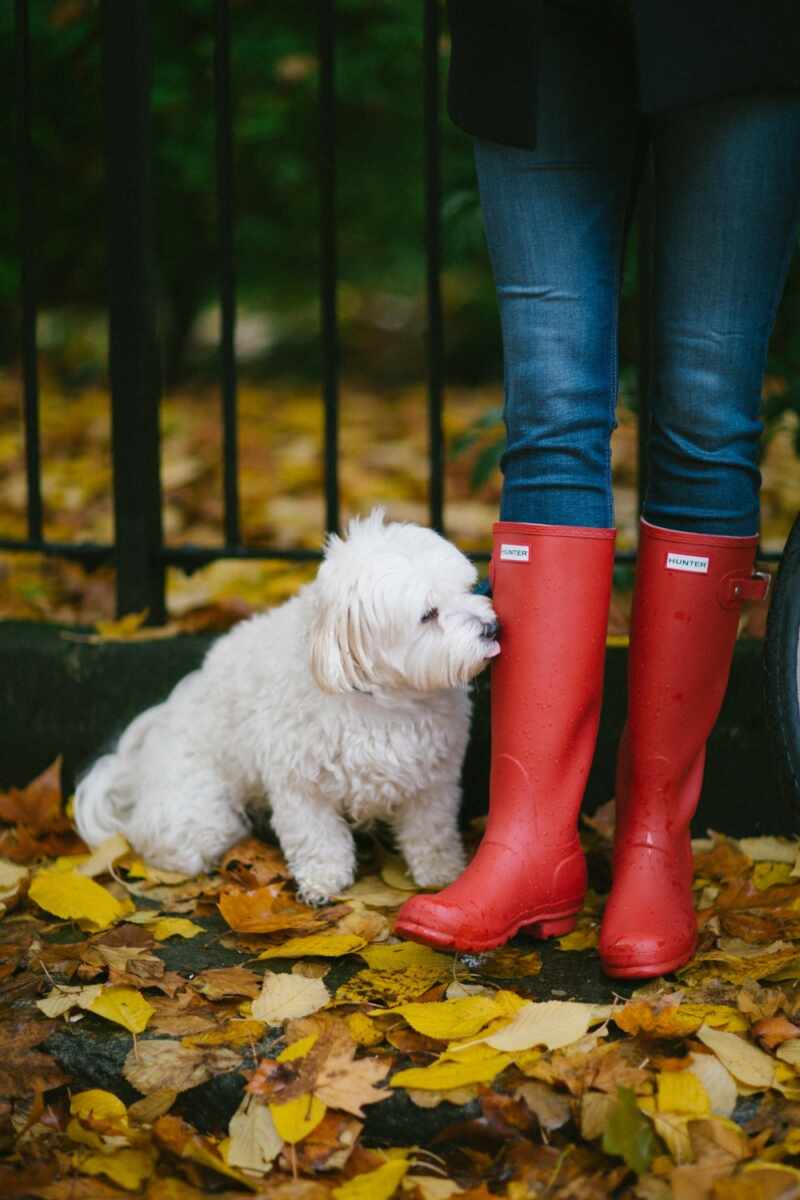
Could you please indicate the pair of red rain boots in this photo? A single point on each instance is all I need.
(551, 588)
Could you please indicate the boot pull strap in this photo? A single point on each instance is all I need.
(736, 588)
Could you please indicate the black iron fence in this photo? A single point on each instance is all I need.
(138, 551)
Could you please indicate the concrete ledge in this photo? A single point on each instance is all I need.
(62, 696)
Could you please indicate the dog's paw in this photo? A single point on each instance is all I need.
(437, 869)
(319, 890)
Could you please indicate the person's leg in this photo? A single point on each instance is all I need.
(727, 204)
(727, 208)
(555, 219)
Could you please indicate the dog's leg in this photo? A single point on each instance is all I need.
(316, 843)
(426, 829)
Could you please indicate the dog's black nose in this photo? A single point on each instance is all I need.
(490, 630)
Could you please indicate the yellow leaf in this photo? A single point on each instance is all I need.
(677, 1020)
(719, 1084)
(767, 874)
(167, 927)
(443, 1076)
(745, 1061)
(373, 891)
(125, 1006)
(682, 1092)
(321, 945)
(100, 1105)
(73, 897)
(579, 939)
(363, 1030)
(450, 1019)
(380, 1184)
(552, 1023)
(402, 955)
(233, 1033)
(123, 627)
(298, 1049)
(127, 1167)
(394, 872)
(285, 996)
(295, 1119)
(387, 987)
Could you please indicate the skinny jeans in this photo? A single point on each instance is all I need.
(726, 188)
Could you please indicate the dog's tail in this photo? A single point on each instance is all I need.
(104, 799)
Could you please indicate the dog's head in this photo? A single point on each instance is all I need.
(394, 611)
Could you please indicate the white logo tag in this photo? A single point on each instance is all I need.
(696, 563)
(510, 553)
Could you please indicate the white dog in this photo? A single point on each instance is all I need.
(348, 703)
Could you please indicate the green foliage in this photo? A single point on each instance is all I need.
(628, 1133)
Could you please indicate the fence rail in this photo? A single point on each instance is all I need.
(138, 550)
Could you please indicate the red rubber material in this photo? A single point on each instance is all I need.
(550, 589)
(683, 632)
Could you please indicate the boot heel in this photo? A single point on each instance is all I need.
(547, 929)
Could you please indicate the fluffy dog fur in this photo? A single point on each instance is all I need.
(349, 703)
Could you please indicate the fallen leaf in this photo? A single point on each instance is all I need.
(551, 1108)
(325, 945)
(628, 1133)
(551, 1023)
(296, 1118)
(719, 1084)
(232, 1033)
(745, 1061)
(23, 1069)
(580, 939)
(254, 1141)
(254, 864)
(371, 890)
(104, 856)
(179, 1138)
(37, 806)
(124, 1006)
(380, 1184)
(681, 1092)
(13, 885)
(285, 996)
(399, 956)
(267, 910)
(444, 1076)
(63, 998)
(219, 982)
(346, 1083)
(167, 927)
(129, 1167)
(73, 897)
(159, 1063)
(387, 987)
(450, 1019)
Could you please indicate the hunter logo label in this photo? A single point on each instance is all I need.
(696, 563)
(509, 553)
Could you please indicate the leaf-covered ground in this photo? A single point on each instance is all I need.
(383, 460)
(174, 1038)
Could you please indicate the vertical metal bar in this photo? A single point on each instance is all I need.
(227, 265)
(133, 347)
(645, 300)
(433, 263)
(328, 255)
(25, 201)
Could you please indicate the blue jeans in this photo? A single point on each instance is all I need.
(727, 209)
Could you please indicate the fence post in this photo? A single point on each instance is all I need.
(133, 347)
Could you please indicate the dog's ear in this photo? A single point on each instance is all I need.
(338, 651)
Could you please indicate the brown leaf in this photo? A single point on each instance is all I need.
(348, 1084)
(22, 1068)
(37, 806)
(158, 1063)
(266, 910)
(219, 982)
(773, 1030)
(329, 1146)
(253, 864)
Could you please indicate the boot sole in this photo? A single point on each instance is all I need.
(536, 927)
(647, 970)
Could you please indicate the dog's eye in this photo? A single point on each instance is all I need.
(430, 615)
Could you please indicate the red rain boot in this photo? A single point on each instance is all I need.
(688, 595)
(550, 589)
